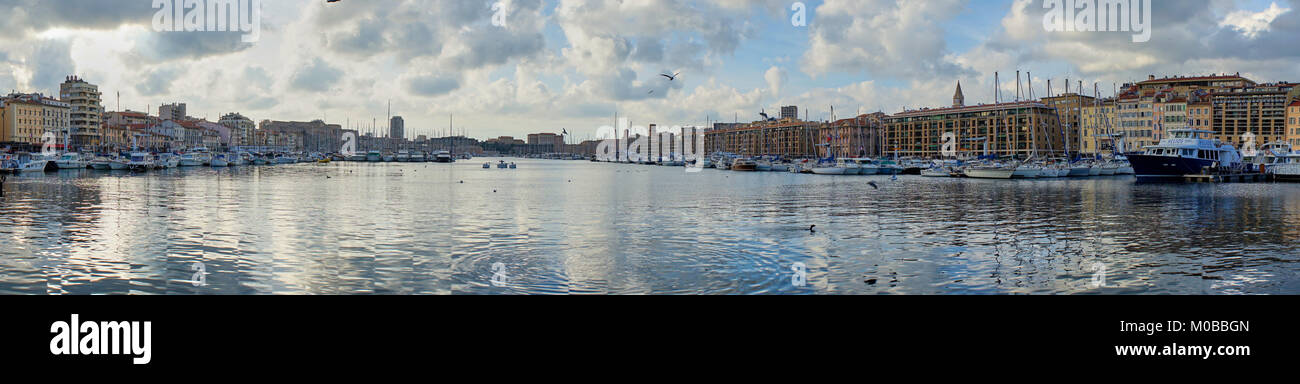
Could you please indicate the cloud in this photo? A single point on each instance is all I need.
(22, 18)
(163, 46)
(776, 78)
(881, 37)
(158, 81)
(317, 76)
(1252, 24)
(432, 85)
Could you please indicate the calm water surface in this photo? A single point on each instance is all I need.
(571, 227)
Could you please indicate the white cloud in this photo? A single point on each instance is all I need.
(1252, 24)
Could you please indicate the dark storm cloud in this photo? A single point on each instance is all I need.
(190, 45)
(27, 16)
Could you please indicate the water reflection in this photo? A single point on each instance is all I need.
(584, 228)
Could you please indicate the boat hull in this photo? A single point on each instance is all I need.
(990, 173)
(1163, 167)
(1079, 172)
(1027, 173)
(830, 171)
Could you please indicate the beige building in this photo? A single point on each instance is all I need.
(1184, 86)
(174, 111)
(85, 111)
(1021, 129)
(1136, 113)
(241, 128)
(1097, 124)
(1069, 109)
(546, 142)
(22, 121)
(28, 117)
(784, 137)
(312, 136)
(1293, 124)
(1259, 110)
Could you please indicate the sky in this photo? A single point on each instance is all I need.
(572, 64)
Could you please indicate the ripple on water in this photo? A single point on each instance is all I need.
(583, 228)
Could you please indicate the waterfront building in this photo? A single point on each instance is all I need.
(28, 116)
(128, 117)
(85, 111)
(1021, 129)
(547, 142)
(1097, 123)
(1183, 86)
(1259, 110)
(397, 127)
(174, 111)
(1200, 115)
(312, 136)
(1170, 113)
(853, 137)
(788, 137)
(1136, 110)
(241, 128)
(20, 122)
(790, 112)
(1069, 110)
(1293, 124)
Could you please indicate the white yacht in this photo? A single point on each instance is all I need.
(829, 169)
(71, 160)
(937, 172)
(140, 161)
(196, 158)
(219, 160)
(1185, 152)
(1027, 171)
(101, 163)
(1285, 167)
(992, 171)
(29, 163)
(403, 157)
(168, 160)
(443, 157)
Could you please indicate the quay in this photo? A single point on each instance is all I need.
(1226, 177)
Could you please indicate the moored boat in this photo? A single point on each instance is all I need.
(1185, 152)
(744, 165)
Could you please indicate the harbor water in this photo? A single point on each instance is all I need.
(576, 227)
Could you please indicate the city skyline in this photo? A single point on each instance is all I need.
(572, 64)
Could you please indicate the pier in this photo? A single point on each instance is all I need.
(1226, 177)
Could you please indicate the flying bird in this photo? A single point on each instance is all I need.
(873, 184)
(671, 77)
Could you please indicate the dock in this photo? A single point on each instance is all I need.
(1226, 177)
